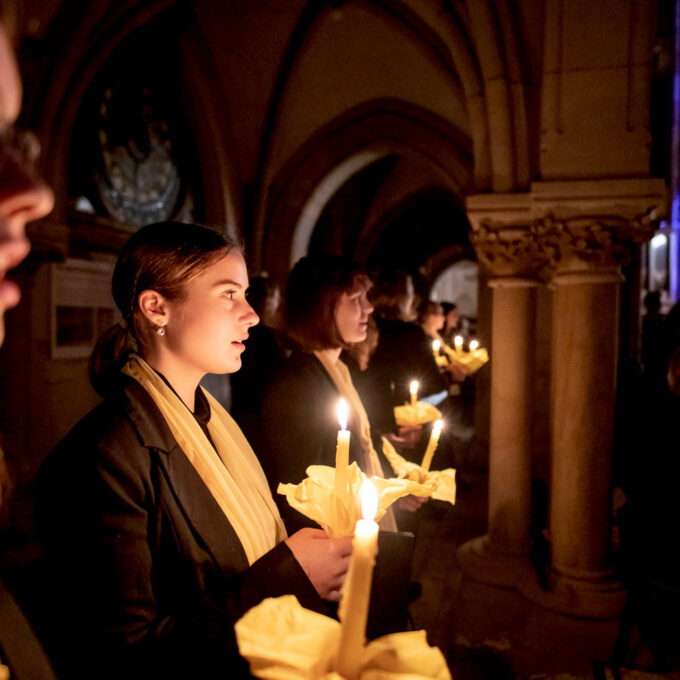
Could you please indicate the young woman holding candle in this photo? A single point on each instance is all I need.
(404, 351)
(154, 510)
(327, 309)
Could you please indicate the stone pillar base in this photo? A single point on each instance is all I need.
(482, 562)
(596, 597)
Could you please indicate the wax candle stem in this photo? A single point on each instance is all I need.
(431, 445)
(341, 450)
(356, 593)
(413, 388)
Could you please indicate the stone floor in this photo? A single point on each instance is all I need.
(487, 632)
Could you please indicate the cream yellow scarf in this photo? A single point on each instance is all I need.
(370, 464)
(234, 477)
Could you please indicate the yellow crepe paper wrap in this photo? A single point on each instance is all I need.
(283, 641)
(441, 483)
(416, 414)
(469, 361)
(337, 514)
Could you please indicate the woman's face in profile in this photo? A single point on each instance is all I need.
(207, 330)
(351, 315)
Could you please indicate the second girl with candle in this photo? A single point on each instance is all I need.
(327, 309)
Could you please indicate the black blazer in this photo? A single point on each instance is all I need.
(299, 426)
(152, 573)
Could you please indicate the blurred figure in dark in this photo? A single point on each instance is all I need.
(23, 198)
(647, 521)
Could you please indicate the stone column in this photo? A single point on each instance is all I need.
(512, 363)
(500, 556)
(575, 234)
(585, 333)
(586, 254)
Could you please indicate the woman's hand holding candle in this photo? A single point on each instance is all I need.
(324, 560)
(432, 445)
(412, 503)
(357, 593)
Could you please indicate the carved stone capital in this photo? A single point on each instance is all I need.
(590, 243)
(547, 245)
(508, 251)
(588, 226)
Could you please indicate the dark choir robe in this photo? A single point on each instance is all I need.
(298, 428)
(151, 573)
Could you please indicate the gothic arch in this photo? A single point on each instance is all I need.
(357, 138)
(479, 42)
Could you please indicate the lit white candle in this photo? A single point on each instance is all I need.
(342, 448)
(356, 593)
(458, 342)
(474, 344)
(414, 391)
(436, 344)
(432, 444)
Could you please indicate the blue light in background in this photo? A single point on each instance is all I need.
(674, 263)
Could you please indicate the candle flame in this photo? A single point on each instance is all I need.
(436, 344)
(342, 414)
(414, 386)
(474, 344)
(458, 341)
(369, 499)
(437, 427)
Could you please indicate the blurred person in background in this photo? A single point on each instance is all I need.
(23, 197)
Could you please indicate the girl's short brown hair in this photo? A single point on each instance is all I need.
(314, 287)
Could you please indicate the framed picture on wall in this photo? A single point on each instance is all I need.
(81, 307)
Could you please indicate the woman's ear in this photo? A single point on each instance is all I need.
(153, 307)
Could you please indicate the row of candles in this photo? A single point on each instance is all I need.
(458, 342)
(357, 590)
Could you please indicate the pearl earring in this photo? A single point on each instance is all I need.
(160, 330)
